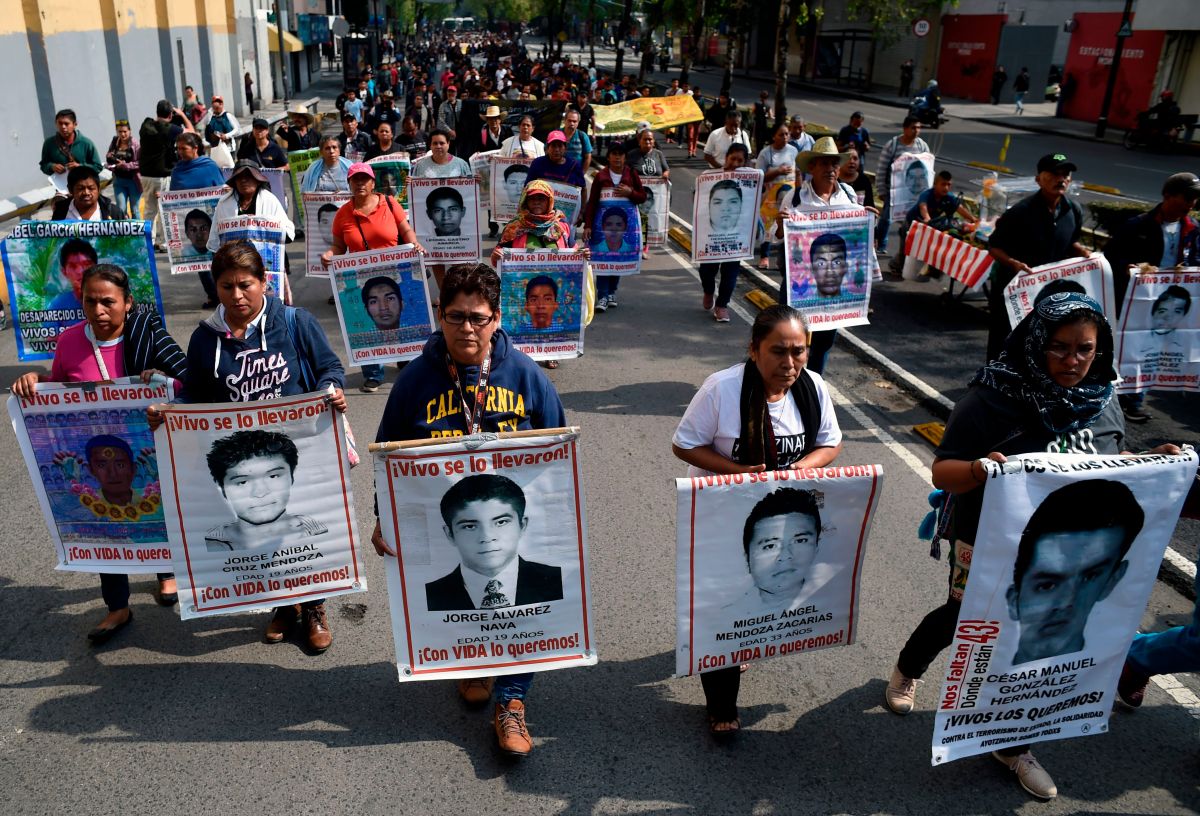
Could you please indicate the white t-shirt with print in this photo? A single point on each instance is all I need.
(714, 418)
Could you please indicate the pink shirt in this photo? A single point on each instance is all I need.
(75, 359)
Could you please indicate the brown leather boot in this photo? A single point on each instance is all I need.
(281, 623)
(319, 636)
(509, 721)
(476, 691)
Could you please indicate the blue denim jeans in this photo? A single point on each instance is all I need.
(729, 275)
(883, 226)
(127, 194)
(373, 371)
(1175, 650)
(511, 687)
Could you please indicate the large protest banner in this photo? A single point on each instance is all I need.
(735, 600)
(1159, 342)
(319, 212)
(660, 111)
(299, 161)
(655, 211)
(547, 114)
(1068, 550)
(1093, 274)
(391, 176)
(187, 220)
(542, 301)
(382, 304)
(966, 263)
(90, 456)
(463, 608)
(268, 519)
(445, 216)
(44, 262)
(616, 240)
(269, 238)
(827, 254)
(508, 181)
(278, 180)
(725, 215)
(912, 174)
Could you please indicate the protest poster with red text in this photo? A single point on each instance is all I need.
(491, 572)
(258, 504)
(90, 456)
(1093, 274)
(382, 304)
(725, 215)
(1159, 342)
(828, 257)
(1067, 554)
(768, 564)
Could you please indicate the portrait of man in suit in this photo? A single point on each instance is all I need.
(484, 518)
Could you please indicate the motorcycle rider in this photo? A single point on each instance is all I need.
(928, 101)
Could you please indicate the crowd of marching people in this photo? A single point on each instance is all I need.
(1047, 384)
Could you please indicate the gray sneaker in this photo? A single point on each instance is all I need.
(901, 692)
(1030, 774)
(370, 386)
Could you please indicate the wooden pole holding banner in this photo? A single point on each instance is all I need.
(424, 443)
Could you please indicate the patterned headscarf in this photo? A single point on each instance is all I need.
(1021, 374)
(549, 227)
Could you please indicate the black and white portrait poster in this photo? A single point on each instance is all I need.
(90, 456)
(491, 571)
(568, 200)
(481, 166)
(1093, 274)
(768, 564)
(319, 212)
(445, 215)
(1159, 343)
(1067, 553)
(656, 211)
(912, 174)
(725, 215)
(258, 505)
(508, 182)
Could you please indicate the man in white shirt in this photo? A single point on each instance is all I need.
(797, 138)
(719, 140)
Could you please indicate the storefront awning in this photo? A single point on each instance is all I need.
(291, 43)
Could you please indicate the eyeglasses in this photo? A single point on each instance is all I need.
(1062, 353)
(474, 318)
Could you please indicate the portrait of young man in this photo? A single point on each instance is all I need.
(484, 519)
(196, 226)
(255, 471)
(384, 304)
(724, 207)
(1071, 556)
(827, 256)
(779, 541)
(110, 461)
(445, 209)
(541, 301)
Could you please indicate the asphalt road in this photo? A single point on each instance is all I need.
(202, 717)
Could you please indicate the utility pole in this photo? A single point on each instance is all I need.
(1126, 30)
(282, 53)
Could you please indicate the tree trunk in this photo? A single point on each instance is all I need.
(592, 29)
(689, 57)
(622, 35)
(647, 63)
(782, 40)
(732, 45)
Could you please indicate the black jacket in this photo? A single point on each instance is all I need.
(1140, 240)
(108, 210)
(536, 583)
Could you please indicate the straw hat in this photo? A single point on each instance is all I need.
(301, 110)
(492, 112)
(825, 146)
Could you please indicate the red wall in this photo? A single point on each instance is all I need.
(1088, 59)
(969, 46)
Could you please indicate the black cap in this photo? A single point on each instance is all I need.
(1184, 184)
(261, 123)
(1055, 163)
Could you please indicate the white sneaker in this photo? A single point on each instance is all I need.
(602, 304)
(901, 692)
(1030, 774)
(612, 301)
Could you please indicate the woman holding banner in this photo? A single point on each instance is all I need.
(539, 225)
(624, 181)
(766, 414)
(523, 143)
(648, 162)
(1049, 390)
(113, 341)
(249, 333)
(440, 163)
(369, 221)
(329, 174)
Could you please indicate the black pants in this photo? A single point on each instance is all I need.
(721, 692)
(114, 588)
(729, 275)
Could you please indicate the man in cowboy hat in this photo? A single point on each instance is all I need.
(491, 137)
(299, 132)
